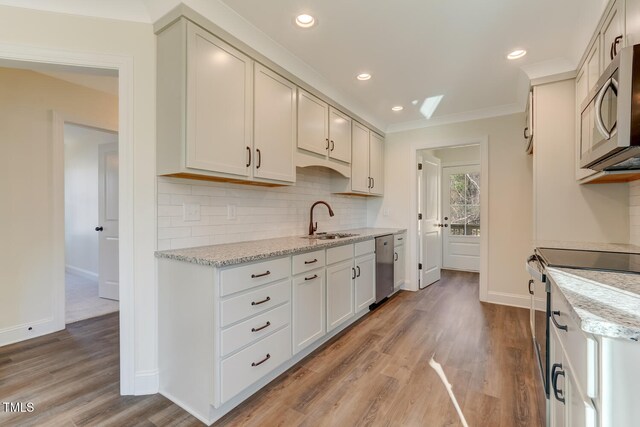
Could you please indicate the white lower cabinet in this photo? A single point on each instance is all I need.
(308, 308)
(340, 293)
(365, 282)
(399, 265)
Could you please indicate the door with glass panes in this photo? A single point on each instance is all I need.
(461, 216)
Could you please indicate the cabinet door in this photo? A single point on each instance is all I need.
(360, 181)
(583, 128)
(313, 129)
(376, 163)
(339, 293)
(612, 34)
(339, 135)
(274, 126)
(365, 281)
(219, 105)
(556, 359)
(398, 266)
(308, 308)
(592, 63)
(580, 411)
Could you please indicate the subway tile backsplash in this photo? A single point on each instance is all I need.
(634, 212)
(260, 212)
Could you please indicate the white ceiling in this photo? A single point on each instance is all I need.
(413, 48)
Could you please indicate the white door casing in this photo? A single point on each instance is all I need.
(108, 218)
(430, 233)
(459, 252)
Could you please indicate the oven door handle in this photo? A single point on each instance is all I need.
(557, 371)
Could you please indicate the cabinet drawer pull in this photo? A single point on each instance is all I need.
(266, 325)
(556, 371)
(268, 356)
(555, 322)
(332, 145)
(531, 282)
(402, 238)
(373, 182)
(327, 147)
(255, 276)
(249, 161)
(267, 299)
(358, 267)
(315, 276)
(396, 256)
(353, 273)
(312, 261)
(259, 158)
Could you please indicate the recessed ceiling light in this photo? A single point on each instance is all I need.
(397, 108)
(518, 53)
(415, 102)
(305, 21)
(429, 106)
(363, 76)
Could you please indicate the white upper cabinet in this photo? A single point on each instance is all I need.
(360, 159)
(339, 136)
(274, 126)
(218, 104)
(612, 34)
(593, 65)
(376, 163)
(313, 128)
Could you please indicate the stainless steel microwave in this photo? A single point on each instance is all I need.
(610, 116)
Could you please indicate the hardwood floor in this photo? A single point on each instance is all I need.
(376, 373)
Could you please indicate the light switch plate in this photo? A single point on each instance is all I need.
(191, 212)
(232, 212)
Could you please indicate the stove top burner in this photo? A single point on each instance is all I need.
(590, 260)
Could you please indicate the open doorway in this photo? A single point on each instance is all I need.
(91, 222)
(449, 183)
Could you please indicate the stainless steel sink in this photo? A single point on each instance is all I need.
(330, 236)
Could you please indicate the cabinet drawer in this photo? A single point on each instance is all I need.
(254, 302)
(366, 247)
(580, 348)
(399, 239)
(339, 253)
(248, 276)
(306, 262)
(254, 328)
(249, 365)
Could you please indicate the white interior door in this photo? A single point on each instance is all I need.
(461, 216)
(108, 269)
(429, 226)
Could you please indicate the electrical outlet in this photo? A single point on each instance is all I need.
(191, 212)
(232, 212)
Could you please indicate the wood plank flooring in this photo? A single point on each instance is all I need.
(376, 373)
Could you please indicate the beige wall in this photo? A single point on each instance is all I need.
(28, 274)
(137, 42)
(510, 196)
(469, 154)
(564, 209)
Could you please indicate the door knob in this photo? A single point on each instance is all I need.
(99, 228)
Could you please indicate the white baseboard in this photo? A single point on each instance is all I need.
(146, 382)
(81, 272)
(18, 333)
(512, 300)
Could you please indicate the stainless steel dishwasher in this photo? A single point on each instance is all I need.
(384, 267)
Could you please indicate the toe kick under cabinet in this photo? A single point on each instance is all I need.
(225, 332)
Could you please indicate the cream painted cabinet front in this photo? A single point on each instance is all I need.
(398, 266)
(308, 308)
(274, 137)
(340, 305)
(219, 104)
(360, 179)
(376, 163)
(365, 283)
(313, 129)
(339, 136)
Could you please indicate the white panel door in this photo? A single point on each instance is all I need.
(399, 266)
(219, 107)
(365, 282)
(461, 217)
(429, 226)
(274, 135)
(340, 293)
(313, 129)
(360, 181)
(376, 163)
(308, 308)
(339, 135)
(108, 243)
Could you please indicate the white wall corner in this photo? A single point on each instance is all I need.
(147, 382)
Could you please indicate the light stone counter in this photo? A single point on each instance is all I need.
(582, 246)
(237, 253)
(604, 303)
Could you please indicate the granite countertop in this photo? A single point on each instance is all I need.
(237, 253)
(583, 246)
(604, 303)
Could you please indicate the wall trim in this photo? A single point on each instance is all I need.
(81, 272)
(147, 382)
(125, 67)
(17, 333)
(515, 300)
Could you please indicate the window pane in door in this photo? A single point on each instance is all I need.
(464, 204)
(473, 221)
(473, 188)
(457, 189)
